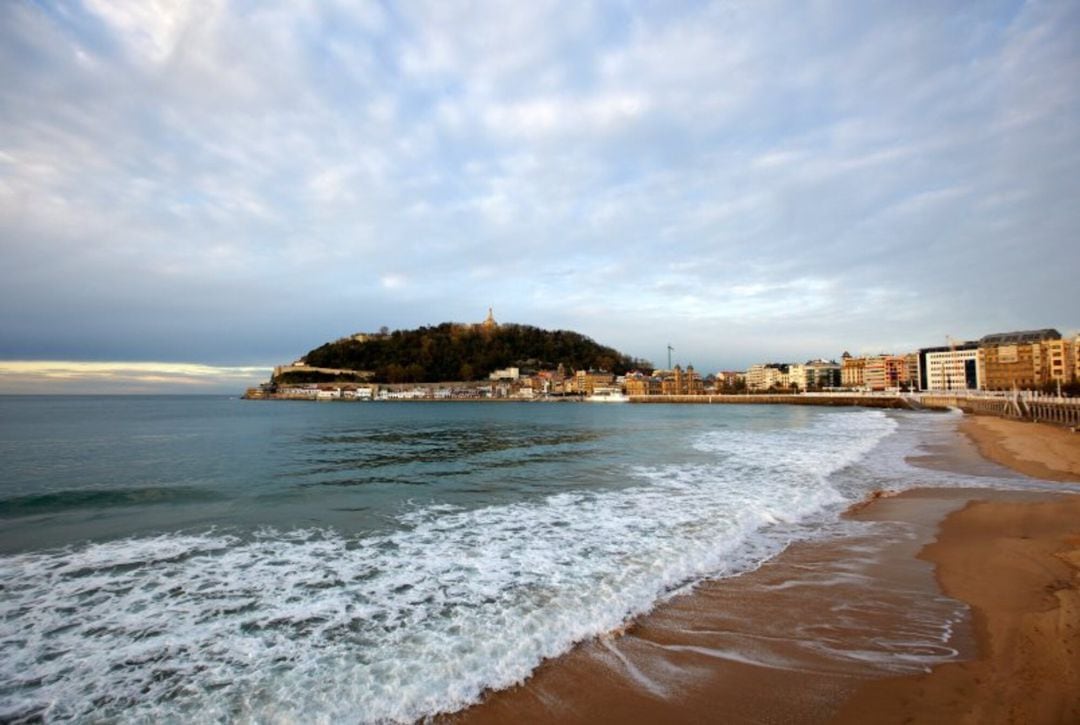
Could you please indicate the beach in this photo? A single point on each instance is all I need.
(1016, 564)
(807, 636)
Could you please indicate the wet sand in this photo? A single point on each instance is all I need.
(1017, 565)
(847, 630)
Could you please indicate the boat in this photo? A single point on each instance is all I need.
(607, 395)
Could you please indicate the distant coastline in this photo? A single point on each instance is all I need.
(472, 392)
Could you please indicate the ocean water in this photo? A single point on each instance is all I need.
(204, 558)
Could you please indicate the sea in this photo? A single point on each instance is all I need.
(190, 558)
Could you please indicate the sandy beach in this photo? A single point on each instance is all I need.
(1034, 449)
(1018, 566)
(807, 637)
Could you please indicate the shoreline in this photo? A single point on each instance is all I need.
(1017, 566)
(745, 649)
(1039, 450)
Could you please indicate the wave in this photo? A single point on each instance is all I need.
(98, 498)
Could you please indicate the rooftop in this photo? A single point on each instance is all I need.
(1020, 337)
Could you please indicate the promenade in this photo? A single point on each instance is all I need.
(1021, 405)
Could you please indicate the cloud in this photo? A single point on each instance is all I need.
(541, 117)
(393, 281)
(151, 29)
(239, 183)
(82, 377)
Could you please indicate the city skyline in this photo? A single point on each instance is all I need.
(193, 193)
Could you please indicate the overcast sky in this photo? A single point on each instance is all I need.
(234, 183)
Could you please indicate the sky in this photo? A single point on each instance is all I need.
(192, 192)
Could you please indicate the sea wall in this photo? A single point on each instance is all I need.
(1021, 406)
(830, 399)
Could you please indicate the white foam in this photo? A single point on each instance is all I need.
(315, 626)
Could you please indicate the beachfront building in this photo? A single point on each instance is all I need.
(953, 367)
(797, 376)
(680, 382)
(815, 374)
(585, 382)
(1076, 358)
(883, 372)
(910, 377)
(1059, 360)
(765, 376)
(638, 383)
(731, 380)
(1021, 360)
(852, 370)
(695, 384)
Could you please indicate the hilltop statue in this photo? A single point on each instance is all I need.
(490, 323)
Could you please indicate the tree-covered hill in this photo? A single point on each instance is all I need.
(465, 352)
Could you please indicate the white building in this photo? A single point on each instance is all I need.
(366, 393)
(505, 374)
(765, 376)
(950, 369)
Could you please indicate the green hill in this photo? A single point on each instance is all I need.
(452, 351)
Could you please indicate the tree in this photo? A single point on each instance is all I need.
(395, 373)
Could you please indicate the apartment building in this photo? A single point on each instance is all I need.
(1076, 358)
(764, 376)
(1059, 361)
(815, 374)
(1022, 359)
(730, 379)
(883, 372)
(910, 377)
(852, 371)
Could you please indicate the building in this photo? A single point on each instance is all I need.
(680, 382)
(1022, 360)
(585, 382)
(1076, 358)
(852, 370)
(955, 367)
(883, 372)
(797, 376)
(815, 375)
(729, 380)
(910, 377)
(505, 374)
(1059, 361)
(765, 376)
(641, 384)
